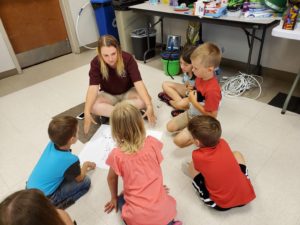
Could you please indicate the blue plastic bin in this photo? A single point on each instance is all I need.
(105, 17)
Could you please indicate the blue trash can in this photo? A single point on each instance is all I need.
(105, 17)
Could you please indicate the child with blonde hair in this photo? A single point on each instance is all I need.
(137, 158)
(206, 98)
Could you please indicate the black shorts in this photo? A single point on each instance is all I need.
(199, 185)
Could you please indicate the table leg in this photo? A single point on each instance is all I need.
(258, 66)
(287, 100)
(250, 50)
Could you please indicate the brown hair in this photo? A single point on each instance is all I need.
(28, 207)
(62, 129)
(208, 54)
(187, 52)
(127, 127)
(206, 129)
(110, 41)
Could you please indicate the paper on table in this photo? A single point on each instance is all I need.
(101, 144)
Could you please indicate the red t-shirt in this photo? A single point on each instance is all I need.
(146, 201)
(211, 91)
(115, 84)
(227, 185)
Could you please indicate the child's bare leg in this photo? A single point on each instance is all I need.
(178, 122)
(183, 138)
(174, 90)
(239, 157)
(181, 104)
(192, 171)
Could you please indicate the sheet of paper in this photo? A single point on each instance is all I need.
(101, 144)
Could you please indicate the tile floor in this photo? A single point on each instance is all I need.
(269, 141)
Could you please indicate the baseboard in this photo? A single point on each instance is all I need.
(8, 73)
(91, 45)
(265, 71)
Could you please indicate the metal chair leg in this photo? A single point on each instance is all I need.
(287, 100)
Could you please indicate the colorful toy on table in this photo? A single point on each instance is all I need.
(214, 8)
(290, 20)
(257, 10)
(181, 8)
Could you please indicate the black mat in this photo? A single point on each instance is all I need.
(279, 99)
(74, 112)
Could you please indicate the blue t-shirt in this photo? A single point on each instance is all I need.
(50, 170)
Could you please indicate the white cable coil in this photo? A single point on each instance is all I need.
(237, 85)
(77, 23)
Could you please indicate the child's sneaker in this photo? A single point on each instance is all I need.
(104, 120)
(164, 97)
(65, 204)
(176, 112)
(142, 111)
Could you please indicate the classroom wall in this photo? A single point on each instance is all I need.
(280, 54)
(6, 58)
(6, 62)
(85, 23)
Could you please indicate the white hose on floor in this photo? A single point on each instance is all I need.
(77, 22)
(237, 85)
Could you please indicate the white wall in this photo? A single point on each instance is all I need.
(8, 60)
(87, 27)
(278, 53)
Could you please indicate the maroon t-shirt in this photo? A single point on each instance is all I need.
(115, 84)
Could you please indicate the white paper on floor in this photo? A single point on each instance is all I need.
(101, 144)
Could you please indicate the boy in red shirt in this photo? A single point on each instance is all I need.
(206, 98)
(219, 175)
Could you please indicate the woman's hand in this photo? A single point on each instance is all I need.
(150, 114)
(88, 119)
(112, 204)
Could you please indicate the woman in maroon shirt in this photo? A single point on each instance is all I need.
(115, 73)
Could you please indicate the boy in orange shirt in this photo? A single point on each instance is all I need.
(206, 98)
(219, 175)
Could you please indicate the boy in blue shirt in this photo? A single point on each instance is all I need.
(58, 174)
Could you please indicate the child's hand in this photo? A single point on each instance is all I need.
(89, 165)
(92, 165)
(193, 96)
(166, 189)
(109, 206)
(188, 86)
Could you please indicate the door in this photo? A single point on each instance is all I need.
(35, 29)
